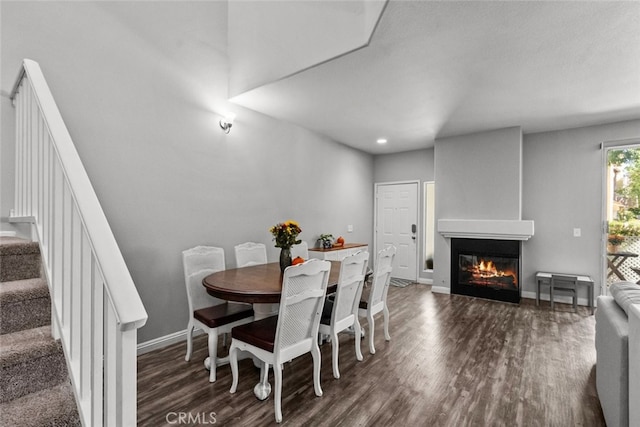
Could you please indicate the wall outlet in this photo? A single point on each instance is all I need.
(577, 232)
(350, 228)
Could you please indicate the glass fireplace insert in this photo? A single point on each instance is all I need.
(486, 268)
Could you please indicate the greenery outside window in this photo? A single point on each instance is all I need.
(623, 208)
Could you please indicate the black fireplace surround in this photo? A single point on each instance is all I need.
(486, 268)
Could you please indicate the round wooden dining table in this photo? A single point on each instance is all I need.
(260, 285)
(256, 284)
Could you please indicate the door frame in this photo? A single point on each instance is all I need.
(605, 147)
(418, 219)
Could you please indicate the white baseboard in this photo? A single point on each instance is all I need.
(167, 340)
(425, 281)
(440, 289)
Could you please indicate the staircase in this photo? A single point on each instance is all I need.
(34, 388)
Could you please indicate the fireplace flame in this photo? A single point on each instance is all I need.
(488, 270)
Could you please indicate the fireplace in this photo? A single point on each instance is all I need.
(486, 268)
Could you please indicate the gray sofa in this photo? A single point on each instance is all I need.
(618, 343)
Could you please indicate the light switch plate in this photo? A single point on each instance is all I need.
(350, 228)
(577, 232)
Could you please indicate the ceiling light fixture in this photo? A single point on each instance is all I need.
(381, 141)
(226, 122)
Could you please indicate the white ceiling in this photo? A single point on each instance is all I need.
(442, 68)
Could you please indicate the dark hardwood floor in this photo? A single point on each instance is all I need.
(451, 361)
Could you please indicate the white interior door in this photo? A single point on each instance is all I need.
(396, 224)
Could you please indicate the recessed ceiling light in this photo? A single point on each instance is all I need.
(381, 141)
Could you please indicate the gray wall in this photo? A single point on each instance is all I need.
(562, 178)
(562, 190)
(478, 176)
(141, 87)
(405, 166)
(408, 166)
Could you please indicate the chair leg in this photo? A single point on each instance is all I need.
(317, 358)
(357, 338)
(385, 312)
(334, 354)
(277, 395)
(233, 361)
(371, 322)
(321, 339)
(213, 352)
(262, 390)
(187, 357)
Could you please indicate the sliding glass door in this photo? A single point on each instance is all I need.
(621, 208)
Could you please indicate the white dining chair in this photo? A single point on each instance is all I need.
(250, 253)
(212, 315)
(377, 301)
(341, 312)
(300, 250)
(294, 332)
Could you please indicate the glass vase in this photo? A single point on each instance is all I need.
(285, 258)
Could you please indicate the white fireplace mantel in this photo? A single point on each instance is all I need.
(486, 229)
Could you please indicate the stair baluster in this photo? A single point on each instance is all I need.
(96, 309)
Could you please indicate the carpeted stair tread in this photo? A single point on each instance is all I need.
(17, 246)
(30, 361)
(51, 407)
(19, 259)
(21, 290)
(24, 304)
(22, 346)
(34, 382)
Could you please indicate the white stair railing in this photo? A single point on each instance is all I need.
(96, 308)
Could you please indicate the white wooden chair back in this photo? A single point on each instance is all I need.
(377, 301)
(304, 287)
(250, 253)
(199, 262)
(352, 273)
(381, 278)
(301, 250)
(345, 306)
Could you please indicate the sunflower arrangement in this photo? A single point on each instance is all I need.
(285, 234)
